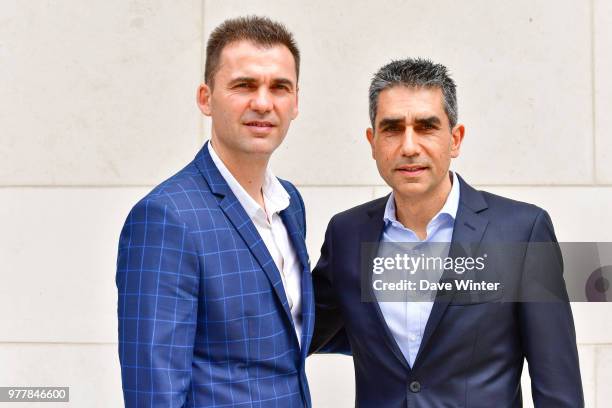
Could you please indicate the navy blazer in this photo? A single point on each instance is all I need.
(203, 316)
(472, 352)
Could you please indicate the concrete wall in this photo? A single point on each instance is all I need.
(97, 105)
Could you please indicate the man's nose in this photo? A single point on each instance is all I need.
(262, 100)
(410, 146)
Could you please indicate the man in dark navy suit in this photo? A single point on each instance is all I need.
(458, 348)
(215, 295)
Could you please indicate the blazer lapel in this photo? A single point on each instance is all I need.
(468, 232)
(297, 239)
(243, 224)
(371, 234)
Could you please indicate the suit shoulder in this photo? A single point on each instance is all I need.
(360, 211)
(292, 190)
(513, 212)
(498, 202)
(184, 189)
(289, 186)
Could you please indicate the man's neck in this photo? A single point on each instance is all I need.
(416, 213)
(249, 170)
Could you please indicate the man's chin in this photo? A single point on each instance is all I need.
(410, 188)
(261, 145)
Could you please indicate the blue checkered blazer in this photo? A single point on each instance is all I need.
(203, 316)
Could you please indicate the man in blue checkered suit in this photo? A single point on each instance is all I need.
(215, 295)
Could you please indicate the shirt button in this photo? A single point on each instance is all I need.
(415, 386)
(412, 337)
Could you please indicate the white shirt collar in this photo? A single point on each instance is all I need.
(276, 197)
(451, 205)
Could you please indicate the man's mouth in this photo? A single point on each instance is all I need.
(260, 127)
(411, 170)
(260, 124)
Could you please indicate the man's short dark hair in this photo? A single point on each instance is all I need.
(417, 73)
(259, 30)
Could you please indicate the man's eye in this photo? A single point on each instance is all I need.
(392, 129)
(243, 85)
(426, 128)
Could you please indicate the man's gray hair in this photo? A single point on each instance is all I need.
(417, 73)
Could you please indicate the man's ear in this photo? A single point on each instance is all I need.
(370, 137)
(456, 138)
(296, 107)
(203, 99)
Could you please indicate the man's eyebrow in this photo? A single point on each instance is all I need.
(249, 80)
(429, 121)
(390, 122)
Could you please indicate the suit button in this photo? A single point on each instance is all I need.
(415, 386)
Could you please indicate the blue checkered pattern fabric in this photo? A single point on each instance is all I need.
(203, 316)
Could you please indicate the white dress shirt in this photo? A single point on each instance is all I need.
(270, 226)
(407, 320)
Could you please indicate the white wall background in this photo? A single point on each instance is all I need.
(97, 106)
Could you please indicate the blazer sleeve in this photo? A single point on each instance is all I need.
(329, 333)
(158, 282)
(547, 326)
